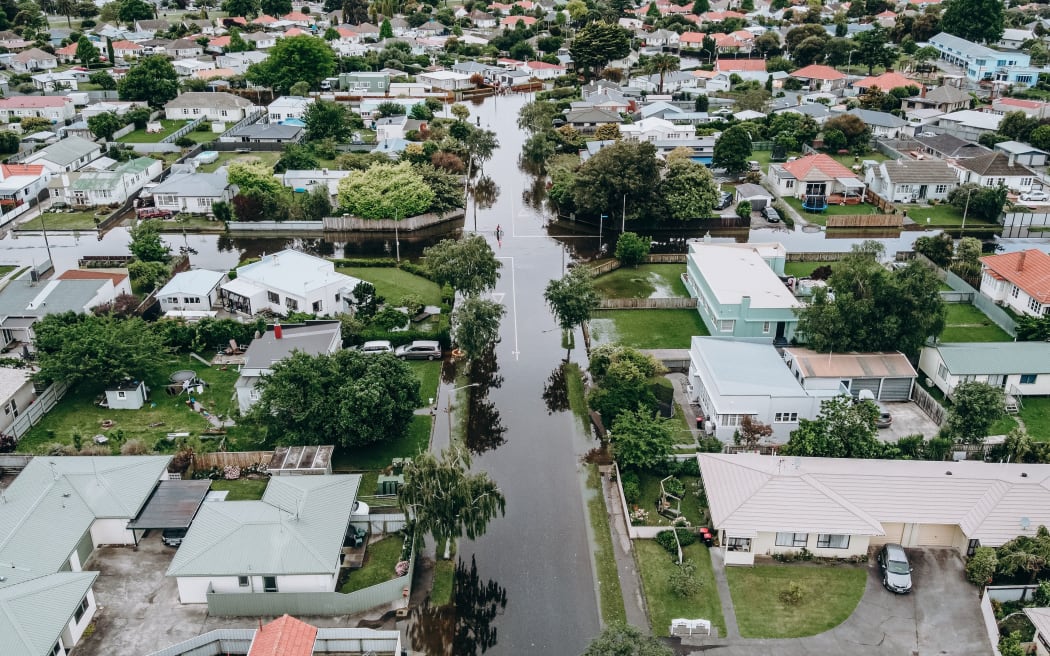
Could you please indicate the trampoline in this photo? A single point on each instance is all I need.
(183, 375)
(815, 203)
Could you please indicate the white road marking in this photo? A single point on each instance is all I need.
(514, 300)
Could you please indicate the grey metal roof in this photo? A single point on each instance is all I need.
(172, 505)
(965, 359)
(204, 185)
(278, 131)
(880, 119)
(198, 282)
(1018, 148)
(943, 94)
(23, 297)
(592, 115)
(960, 46)
(949, 145)
(313, 338)
(929, 171)
(219, 100)
(744, 368)
(66, 151)
(33, 614)
(297, 528)
(995, 163)
(748, 190)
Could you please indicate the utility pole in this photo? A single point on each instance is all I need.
(623, 222)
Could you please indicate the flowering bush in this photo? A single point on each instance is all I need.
(639, 516)
(401, 568)
(681, 521)
(231, 472)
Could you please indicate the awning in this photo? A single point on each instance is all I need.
(173, 504)
(850, 182)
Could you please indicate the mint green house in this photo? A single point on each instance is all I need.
(738, 290)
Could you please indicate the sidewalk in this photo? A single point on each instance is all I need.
(630, 583)
(722, 583)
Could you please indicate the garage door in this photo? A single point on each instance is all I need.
(894, 533)
(895, 389)
(936, 535)
(858, 384)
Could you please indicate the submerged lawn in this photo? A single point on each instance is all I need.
(644, 281)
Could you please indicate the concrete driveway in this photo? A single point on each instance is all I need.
(940, 616)
(908, 419)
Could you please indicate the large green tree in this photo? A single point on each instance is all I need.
(146, 243)
(641, 439)
(244, 8)
(619, 639)
(661, 65)
(985, 203)
(975, 407)
(446, 500)
(293, 59)
(327, 119)
(873, 49)
(732, 150)
(980, 21)
(130, 11)
(104, 124)
(352, 398)
(537, 116)
(153, 79)
(626, 172)
(689, 190)
(843, 429)
(468, 265)
(385, 191)
(572, 298)
(475, 325)
(87, 53)
(94, 352)
(596, 44)
(276, 8)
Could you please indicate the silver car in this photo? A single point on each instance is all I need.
(896, 572)
(378, 346)
(419, 350)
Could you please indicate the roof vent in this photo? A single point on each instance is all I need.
(948, 473)
(1024, 474)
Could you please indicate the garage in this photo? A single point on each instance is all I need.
(888, 376)
(894, 534)
(754, 194)
(936, 535)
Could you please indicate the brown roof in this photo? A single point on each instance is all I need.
(285, 636)
(995, 163)
(851, 365)
(803, 166)
(818, 72)
(96, 274)
(1029, 270)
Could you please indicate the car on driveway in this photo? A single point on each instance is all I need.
(419, 350)
(1037, 196)
(378, 346)
(724, 201)
(896, 572)
(771, 214)
(173, 536)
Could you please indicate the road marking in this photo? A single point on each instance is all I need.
(498, 296)
(514, 300)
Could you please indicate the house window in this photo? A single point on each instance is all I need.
(11, 408)
(317, 306)
(1035, 306)
(291, 303)
(792, 539)
(122, 395)
(968, 378)
(81, 609)
(738, 544)
(242, 581)
(942, 372)
(1026, 182)
(1014, 290)
(828, 541)
(726, 325)
(940, 189)
(253, 394)
(785, 417)
(191, 299)
(732, 420)
(55, 651)
(273, 297)
(269, 584)
(224, 113)
(1028, 379)
(765, 327)
(196, 110)
(789, 184)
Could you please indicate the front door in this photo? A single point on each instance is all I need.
(922, 191)
(781, 327)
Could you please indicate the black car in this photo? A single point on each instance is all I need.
(724, 201)
(771, 214)
(173, 536)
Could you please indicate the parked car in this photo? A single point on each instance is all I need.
(896, 572)
(771, 214)
(419, 350)
(885, 419)
(378, 346)
(724, 201)
(1038, 196)
(754, 166)
(173, 536)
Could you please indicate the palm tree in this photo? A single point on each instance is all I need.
(662, 65)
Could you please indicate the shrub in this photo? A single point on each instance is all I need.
(7, 443)
(675, 487)
(185, 142)
(666, 539)
(683, 579)
(743, 209)
(58, 449)
(982, 565)
(793, 595)
(134, 447)
(231, 472)
(632, 490)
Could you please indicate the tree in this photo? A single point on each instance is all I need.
(295, 157)
(607, 132)
(245, 8)
(238, 44)
(327, 119)
(985, 203)
(385, 191)
(537, 116)
(572, 298)
(9, 142)
(355, 12)
(386, 31)
(354, 398)
(153, 79)
(843, 429)
(276, 8)
(312, 206)
(980, 21)
(752, 432)
(874, 49)
(689, 190)
(631, 249)
(103, 79)
(661, 65)
(641, 439)
(743, 210)
(468, 265)
(975, 407)
(475, 325)
(596, 44)
(1018, 126)
(87, 53)
(626, 172)
(146, 243)
(460, 111)
(446, 500)
(96, 352)
(296, 58)
(854, 130)
(938, 249)
(104, 125)
(982, 565)
(1026, 554)
(701, 7)
(619, 639)
(134, 10)
(732, 150)
(138, 116)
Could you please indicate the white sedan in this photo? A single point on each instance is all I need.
(1038, 196)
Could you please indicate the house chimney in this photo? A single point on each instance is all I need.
(1011, 158)
(922, 92)
(277, 332)
(1020, 261)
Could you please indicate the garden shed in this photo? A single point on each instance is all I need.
(301, 460)
(127, 395)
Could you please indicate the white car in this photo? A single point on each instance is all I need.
(1038, 196)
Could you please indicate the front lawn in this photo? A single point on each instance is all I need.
(428, 374)
(393, 283)
(242, 489)
(378, 456)
(943, 215)
(141, 136)
(829, 594)
(191, 223)
(966, 323)
(268, 158)
(647, 329)
(805, 269)
(655, 566)
(644, 281)
(831, 210)
(380, 559)
(61, 221)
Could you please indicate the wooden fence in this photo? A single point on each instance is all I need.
(222, 459)
(659, 258)
(815, 257)
(647, 304)
(32, 415)
(928, 404)
(409, 224)
(865, 221)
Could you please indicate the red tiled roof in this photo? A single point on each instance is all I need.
(265, 19)
(71, 49)
(294, 31)
(514, 20)
(296, 16)
(126, 45)
(26, 102)
(886, 81)
(692, 37)
(730, 65)
(1020, 102)
(220, 42)
(84, 274)
(1029, 270)
(802, 167)
(285, 636)
(818, 72)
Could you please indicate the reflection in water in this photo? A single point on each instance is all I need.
(485, 192)
(485, 429)
(535, 193)
(556, 391)
(464, 627)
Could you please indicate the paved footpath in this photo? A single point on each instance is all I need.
(630, 582)
(722, 583)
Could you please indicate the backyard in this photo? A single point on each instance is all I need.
(62, 221)
(269, 158)
(393, 283)
(1034, 412)
(806, 269)
(649, 493)
(655, 565)
(966, 323)
(827, 595)
(378, 456)
(242, 489)
(943, 215)
(380, 559)
(644, 281)
(832, 210)
(141, 136)
(647, 329)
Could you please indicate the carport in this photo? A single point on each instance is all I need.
(173, 504)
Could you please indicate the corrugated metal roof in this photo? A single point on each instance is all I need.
(314, 338)
(850, 365)
(33, 614)
(733, 273)
(1040, 618)
(979, 358)
(746, 368)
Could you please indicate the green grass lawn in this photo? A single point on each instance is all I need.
(242, 489)
(650, 489)
(6, 269)
(428, 374)
(393, 283)
(191, 223)
(1035, 413)
(965, 323)
(805, 269)
(647, 328)
(378, 456)
(141, 136)
(832, 210)
(380, 559)
(78, 412)
(644, 281)
(655, 566)
(61, 221)
(610, 595)
(943, 215)
(269, 158)
(830, 593)
(849, 161)
(206, 136)
(444, 575)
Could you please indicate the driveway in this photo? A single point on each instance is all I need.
(908, 419)
(941, 616)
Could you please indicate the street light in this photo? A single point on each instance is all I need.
(601, 223)
(448, 408)
(849, 62)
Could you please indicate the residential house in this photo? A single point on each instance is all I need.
(365, 82)
(190, 67)
(946, 98)
(126, 49)
(113, 187)
(287, 107)
(118, 107)
(816, 77)
(1013, 38)
(307, 180)
(56, 81)
(739, 291)
(66, 155)
(967, 124)
(912, 181)
(747, 69)
(840, 508)
(610, 100)
(283, 133)
(261, 40)
(1017, 368)
(391, 127)
(816, 111)
(56, 109)
(184, 49)
(55, 513)
(192, 192)
(885, 82)
(888, 376)
(289, 281)
(20, 184)
(923, 119)
(882, 124)
(996, 168)
(730, 379)
(33, 59)
(445, 80)
(1018, 280)
(982, 63)
(17, 393)
(67, 54)
(1031, 108)
(278, 343)
(289, 541)
(1040, 619)
(238, 62)
(673, 82)
(152, 26)
(948, 146)
(512, 78)
(191, 293)
(587, 120)
(508, 22)
(219, 106)
(482, 20)
(542, 70)
(814, 175)
(1022, 153)
(656, 129)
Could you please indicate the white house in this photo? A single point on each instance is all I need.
(1040, 619)
(56, 109)
(1018, 368)
(731, 379)
(113, 187)
(193, 193)
(20, 183)
(278, 343)
(117, 107)
(888, 376)
(306, 180)
(66, 155)
(838, 507)
(238, 62)
(191, 66)
(33, 59)
(445, 80)
(213, 106)
(1018, 280)
(61, 81)
(288, 281)
(882, 124)
(814, 175)
(391, 127)
(656, 129)
(967, 124)
(1023, 153)
(287, 107)
(195, 291)
(910, 181)
(542, 70)
(17, 392)
(996, 168)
